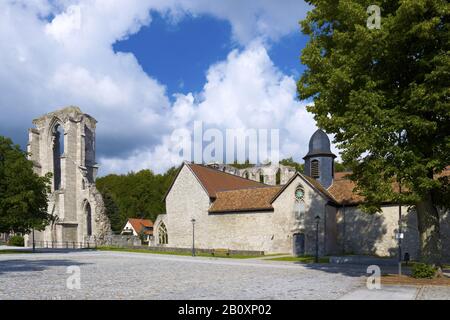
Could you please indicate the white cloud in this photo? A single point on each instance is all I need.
(70, 61)
(250, 19)
(246, 91)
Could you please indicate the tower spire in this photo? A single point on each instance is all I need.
(319, 161)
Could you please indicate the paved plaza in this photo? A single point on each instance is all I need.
(118, 275)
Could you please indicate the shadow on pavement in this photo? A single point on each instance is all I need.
(25, 265)
(353, 270)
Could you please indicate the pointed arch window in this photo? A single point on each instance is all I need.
(162, 234)
(315, 172)
(58, 152)
(278, 177)
(261, 177)
(299, 204)
(88, 219)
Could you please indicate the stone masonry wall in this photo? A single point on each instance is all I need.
(258, 231)
(363, 233)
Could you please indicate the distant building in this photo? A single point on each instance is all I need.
(4, 237)
(137, 227)
(270, 174)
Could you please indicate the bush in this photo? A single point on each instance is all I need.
(16, 241)
(423, 271)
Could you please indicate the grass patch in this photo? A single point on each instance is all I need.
(199, 254)
(12, 251)
(445, 266)
(304, 259)
(276, 254)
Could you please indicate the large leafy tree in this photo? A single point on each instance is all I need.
(134, 195)
(385, 94)
(23, 194)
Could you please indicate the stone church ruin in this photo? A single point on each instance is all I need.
(63, 143)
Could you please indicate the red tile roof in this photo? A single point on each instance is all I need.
(139, 224)
(231, 193)
(253, 199)
(215, 181)
(342, 188)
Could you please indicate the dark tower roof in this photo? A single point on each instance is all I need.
(319, 145)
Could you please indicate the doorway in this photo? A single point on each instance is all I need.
(299, 244)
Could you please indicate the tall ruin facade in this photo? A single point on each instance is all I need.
(63, 143)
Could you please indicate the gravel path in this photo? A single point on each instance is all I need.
(118, 275)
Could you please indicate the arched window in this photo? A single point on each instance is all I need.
(278, 177)
(261, 177)
(315, 172)
(246, 175)
(87, 210)
(299, 208)
(162, 234)
(299, 193)
(58, 151)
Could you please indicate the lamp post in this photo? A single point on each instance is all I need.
(317, 218)
(193, 237)
(400, 234)
(34, 244)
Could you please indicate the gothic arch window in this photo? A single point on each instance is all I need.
(162, 234)
(278, 177)
(299, 204)
(246, 175)
(88, 212)
(315, 172)
(58, 151)
(261, 177)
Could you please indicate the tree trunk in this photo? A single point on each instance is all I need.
(429, 231)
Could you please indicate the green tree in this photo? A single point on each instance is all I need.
(340, 167)
(385, 94)
(245, 165)
(291, 163)
(23, 194)
(134, 195)
(112, 211)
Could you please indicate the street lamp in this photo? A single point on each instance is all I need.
(34, 244)
(400, 233)
(317, 218)
(193, 237)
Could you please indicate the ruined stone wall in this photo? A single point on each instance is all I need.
(76, 192)
(262, 173)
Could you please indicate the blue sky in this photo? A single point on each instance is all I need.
(147, 69)
(179, 54)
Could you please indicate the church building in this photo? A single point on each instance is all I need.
(247, 210)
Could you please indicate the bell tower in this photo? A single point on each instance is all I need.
(319, 162)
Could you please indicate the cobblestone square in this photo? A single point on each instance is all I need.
(114, 275)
